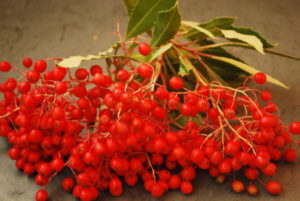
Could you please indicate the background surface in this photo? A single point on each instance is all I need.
(56, 28)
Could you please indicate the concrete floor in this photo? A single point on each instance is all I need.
(55, 28)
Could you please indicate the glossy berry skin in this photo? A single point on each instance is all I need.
(260, 78)
(27, 62)
(5, 66)
(144, 49)
(295, 127)
(176, 83)
(41, 195)
(40, 66)
(145, 71)
(273, 187)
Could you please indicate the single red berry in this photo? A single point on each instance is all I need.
(273, 187)
(252, 189)
(260, 78)
(14, 153)
(251, 173)
(237, 186)
(57, 164)
(176, 83)
(188, 173)
(145, 71)
(186, 187)
(122, 75)
(68, 184)
(270, 169)
(174, 182)
(295, 127)
(33, 76)
(27, 62)
(40, 66)
(266, 96)
(144, 49)
(81, 74)
(24, 87)
(157, 190)
(115, 187)
(290, 155)
(61, 87)
(58, 113)
(41, 195)
(96, 69)
(5, 66)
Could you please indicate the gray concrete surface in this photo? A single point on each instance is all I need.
(56, 28)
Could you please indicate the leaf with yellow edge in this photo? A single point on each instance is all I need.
(75, 61)
(250, 39)
(247, 68)
(196, 26)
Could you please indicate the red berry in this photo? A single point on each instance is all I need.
(33, 76)
(58, 113)
(115, 187)
(252, 189)
(24, 87)
(144, 49)
(157, 190)
(266, 96)
(260, 78)
(41, 195)
(61, 87)
(5, 66)
(145, 71)
(81, 74)
(237, 186)
(68, 184)
(122, 75)
(186, 187)
(273, 187)
(290, 155)
(251, 173)
(96, 69)
(27, 62)
(295, 127)
(174, 182)
(57, 164)
(188, 173)
(176, 83)
(270, 169)
(40, 66)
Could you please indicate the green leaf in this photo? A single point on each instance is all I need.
(160, 51)
(219, 23)
(212, 26)
(249, 31)
(185, 65)
(166, 26)
(248, 69)
(75, 61)
(130, 5)
(250, 39)
(144, 14)
(183, 71)
(196, 26)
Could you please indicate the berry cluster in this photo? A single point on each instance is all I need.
(113, 129)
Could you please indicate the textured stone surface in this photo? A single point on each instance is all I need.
(56, 28)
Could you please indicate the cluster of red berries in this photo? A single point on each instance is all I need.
(111, 130)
